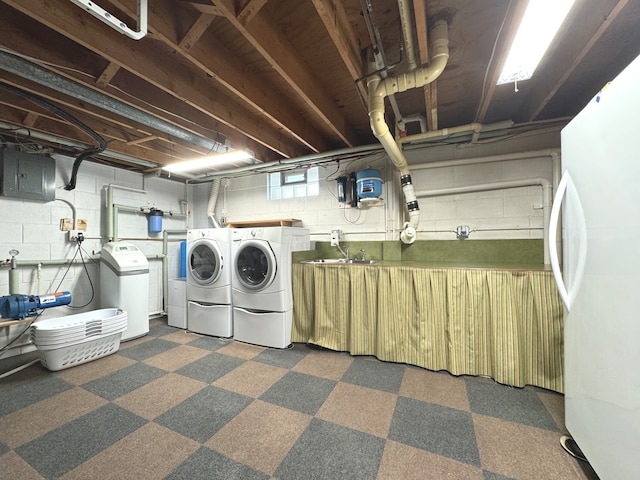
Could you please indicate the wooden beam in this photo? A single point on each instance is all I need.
(335, 20)
(107, 74)
(206, 8)
(149, 62)
(213, 58)
(30, 119)
(431, 89)
(250, 10)
(56, 127)
(196, 31)
(281, 56)
(140, 140)
(505, 35)
(570, 60)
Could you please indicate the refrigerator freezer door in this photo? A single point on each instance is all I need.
(602, 329)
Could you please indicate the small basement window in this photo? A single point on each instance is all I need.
(301, 182)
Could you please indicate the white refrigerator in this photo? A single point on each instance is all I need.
(599, 198)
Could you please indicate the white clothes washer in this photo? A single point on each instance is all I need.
(261, 282)
(209, 282)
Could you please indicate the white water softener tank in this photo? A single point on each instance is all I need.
(124, 284)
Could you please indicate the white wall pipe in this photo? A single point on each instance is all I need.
(553, 153)
(141, 210)
(73, 211)
(547, 195)
(474, 128)
(378, 90)
(110, 210)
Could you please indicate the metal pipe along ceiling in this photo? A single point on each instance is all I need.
(31, 71)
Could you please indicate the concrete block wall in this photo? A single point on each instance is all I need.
(514, 213)
(33, 228)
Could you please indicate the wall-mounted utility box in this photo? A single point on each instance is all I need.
(27, 175)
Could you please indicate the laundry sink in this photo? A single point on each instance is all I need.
(327, 260)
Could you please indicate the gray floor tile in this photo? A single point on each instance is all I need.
(207, 464)
(162, 329)
(329, 451)
(285, 358)
(435, 428)
(200, 416)
(210, 368)
(495, 476)
(66, 447)
(210, 343)
(123, 381)
(372, 373)
(27, 387)
(520, 405)
(299, 391)
(3, 448)
(144, 350)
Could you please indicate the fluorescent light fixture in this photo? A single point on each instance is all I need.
(540, 23)
(215, 160)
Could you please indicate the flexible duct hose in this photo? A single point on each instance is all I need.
(211, 205)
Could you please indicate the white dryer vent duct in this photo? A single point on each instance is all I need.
(211, 205)
(380, 88)
(104, 16)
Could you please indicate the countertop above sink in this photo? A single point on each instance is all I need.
(344, 261)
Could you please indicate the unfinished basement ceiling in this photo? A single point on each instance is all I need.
(281, 77)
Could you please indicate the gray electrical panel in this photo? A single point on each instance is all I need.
(27, 175)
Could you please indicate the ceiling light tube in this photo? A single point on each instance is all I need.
(215, 160)
(541, 21)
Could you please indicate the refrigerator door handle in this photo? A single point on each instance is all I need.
(567, 188)
(553, 233)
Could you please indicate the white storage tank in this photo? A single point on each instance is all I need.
(124, 284)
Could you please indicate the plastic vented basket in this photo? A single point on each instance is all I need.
(75, 339)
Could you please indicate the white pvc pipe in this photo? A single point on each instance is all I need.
(485, 187)
(379, 89)
(549, 152)
(111, 214)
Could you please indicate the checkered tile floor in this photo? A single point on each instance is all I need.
(177, 405)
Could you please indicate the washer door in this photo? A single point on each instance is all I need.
(205, 262)
(255, 265)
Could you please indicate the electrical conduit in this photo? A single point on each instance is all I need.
(378, 90)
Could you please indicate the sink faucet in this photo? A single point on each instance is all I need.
(345, 252)
(363, 255)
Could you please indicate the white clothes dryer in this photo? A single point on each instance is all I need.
(209, 282)
(262, 283)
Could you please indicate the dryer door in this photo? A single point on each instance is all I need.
(255, 264)
(205, 262)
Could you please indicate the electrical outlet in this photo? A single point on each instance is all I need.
(66, 224)
(335, 237)
(74, 234)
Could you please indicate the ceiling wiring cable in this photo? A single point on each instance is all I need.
(78, 251)
(102, 143)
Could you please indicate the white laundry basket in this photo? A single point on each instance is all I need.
(76, 339)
